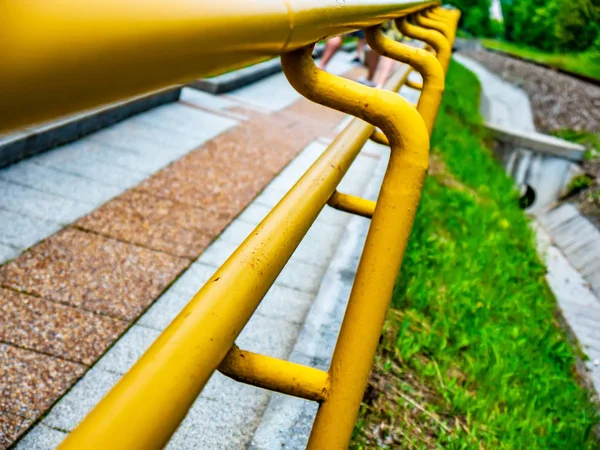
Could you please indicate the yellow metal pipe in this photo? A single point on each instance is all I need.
(275, 374)
(415, 84)
(420, 60)
(434, 38)
(352, 204)
(448, 17)
(379, 137)
(434, 24)
(386, 240)
(60, 57)
(147, 405)
(451, 16)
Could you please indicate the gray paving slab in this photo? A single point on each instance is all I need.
(300, 276)
(206, 100)
(7, 252)
(254, 213)
(148, 162)
(135, 135)
(319, 244)
(588, 242)
(41, 438)
(584, 320)
(268, 336)
(209, 425)
(234, 394)
(22, 231)
(38, 204)
(180, 118)
(165, 309)
(85, 394)
(274, 93)
(286, 424)
(127, 350)
(587, 259)
(297, 167)
(192, 279)
(82, 158)
(558, 216)
(570, 233)
(217, 253)
(50, 180)
(270, 196)
(581, 247)
(237, 231)
(285, 303)
(40, 138)
(580, 306)
(578, 239)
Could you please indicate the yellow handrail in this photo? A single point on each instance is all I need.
(64, 56)
(127, 48)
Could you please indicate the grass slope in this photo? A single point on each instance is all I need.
(472, 355)
(580, 63)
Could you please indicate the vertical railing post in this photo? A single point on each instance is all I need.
(386, 240)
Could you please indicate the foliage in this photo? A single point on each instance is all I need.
(579, 183)
(472, 356)
(475, 17)
(580, 63)
(553, 25)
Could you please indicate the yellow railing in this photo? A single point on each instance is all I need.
(151, 44)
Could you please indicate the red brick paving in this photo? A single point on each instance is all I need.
(11, 427)
(93, 273)
(58, 330)
(157, 223)
(30, 383)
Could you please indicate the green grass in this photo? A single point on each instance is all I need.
(472, 337)
(580, 63)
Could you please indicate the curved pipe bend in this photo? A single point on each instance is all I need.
(434, 38)
(423, 62)
(395, 116)
(434, 24)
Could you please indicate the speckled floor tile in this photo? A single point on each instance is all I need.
(226, 173)
(210, 180)
(11, 426)
(59, 330)
(89, 271)
(157, 223)
(32, 382)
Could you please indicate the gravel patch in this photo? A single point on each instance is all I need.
(558, 101)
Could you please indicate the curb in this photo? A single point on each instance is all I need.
(32, 141)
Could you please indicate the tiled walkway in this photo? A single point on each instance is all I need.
(172, 179)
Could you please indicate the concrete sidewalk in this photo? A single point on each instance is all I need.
(103, 227)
